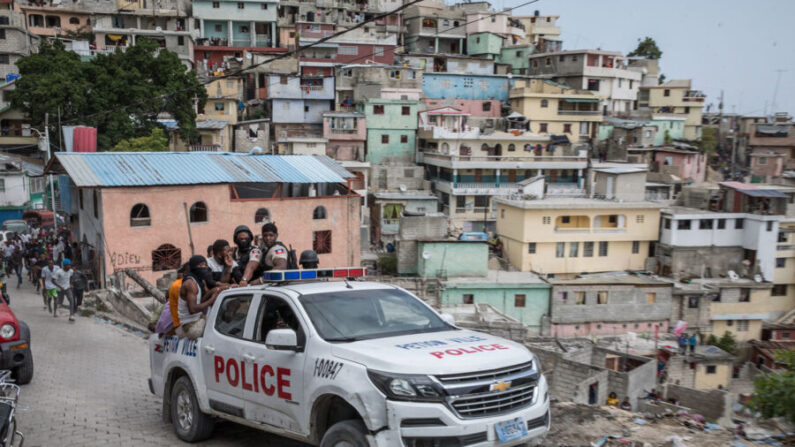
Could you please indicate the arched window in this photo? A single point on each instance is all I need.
(139, 216)
(484, 147)
(528, 147)
(319, 213)
(74, 21)
(262, 216)
(445, 148)
(166, 257)
(511, 147)
(544, 103)
(198, 212)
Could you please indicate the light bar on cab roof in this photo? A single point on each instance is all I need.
(298, 275)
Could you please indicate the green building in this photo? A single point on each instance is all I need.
(391, 129)
(452, 258)
(516, 57)
(520, 295)
(484, 44)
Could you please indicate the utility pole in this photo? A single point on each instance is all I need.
(52, 184)
(775, 91)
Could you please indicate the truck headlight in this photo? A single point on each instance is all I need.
(7, 331)
(406, 387)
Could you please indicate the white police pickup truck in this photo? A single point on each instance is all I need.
(347, 363)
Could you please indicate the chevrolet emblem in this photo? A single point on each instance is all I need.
(500, 386)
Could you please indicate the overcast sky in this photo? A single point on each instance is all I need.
(734, 45)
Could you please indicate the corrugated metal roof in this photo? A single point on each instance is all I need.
(212, 124)
(113, 169)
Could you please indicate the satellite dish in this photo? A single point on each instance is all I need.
(158, 29)
(426, 255)
(732, 275)
(248, 56)
(758, 278)
(403, 188)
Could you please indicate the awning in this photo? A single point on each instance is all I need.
(581, 99)
(765, 193)
(727, 317)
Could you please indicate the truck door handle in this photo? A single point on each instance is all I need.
(248, 358)
(209, 349)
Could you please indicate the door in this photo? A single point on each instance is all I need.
(277, 396)
(224, 370)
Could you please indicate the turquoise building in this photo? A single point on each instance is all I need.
(520, 295)
(516, 57)
(452, 258)
(246, 23)
(484, 44)
(391, 129)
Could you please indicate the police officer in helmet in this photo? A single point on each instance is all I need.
(271, 255)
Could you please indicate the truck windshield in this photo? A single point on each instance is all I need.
(366, 314)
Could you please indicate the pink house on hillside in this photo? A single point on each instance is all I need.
(686, 164)
(484, 108)
(151, 211)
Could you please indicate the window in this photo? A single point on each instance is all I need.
(283, 80)
(321, 241)
(565, 219)
(166, 257)
(241, 5)
(567, 128)
(574, 248)
(640, 218)
(745, 295)
(198, 212)
(511, 147)
(139, 216)
(548, 61)
(518, 300)
(531, 248)
(687, 109)
(705, 224)
(96, 204)
(782, 237)
(379, 51)
(319, 213)
(711, 369)
(2, 185)
(306, 108)
(560, 249)
(651, 298)
(738, 224)
(378, 109)
(544, 103)
(216, 5)
(601, 297)
(667, 92)
(721, 224)
(486, 106)
(563, 296)
(4, 59)
(742, 326)
(781, 263)
(635, 247)
(770, 226)
(72, 21)
(692, 302)
(593, 85)
(404, 138)
(468, 298)
(384, 139)
(180, 40)
(232, 314)
(477, 40)
(683, 224)
(579, 298)
(587, 249)
(542, 127)
(405, 110)
(264, 6)
(219, 107)
(779, 290)
(348, 51)
(761, 160)
(546, 220)
(602, 248)
(667, 224)
(262, 216)
(79, 197)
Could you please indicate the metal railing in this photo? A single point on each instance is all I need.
(344, 131)
(523, 157)
(205, 147)
(579, 112)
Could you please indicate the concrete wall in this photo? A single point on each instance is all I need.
(244, 142)
(389, 177)
(679, 369)
(503, 298)
(413, 228)
(712, 404)
(452, 258)
(688, 261)
(625, 303)
(400, 146)
(462, 86)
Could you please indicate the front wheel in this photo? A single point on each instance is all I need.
(350, 433)
(190, 424)
(24, 372)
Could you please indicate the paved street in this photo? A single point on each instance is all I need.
(89, 387)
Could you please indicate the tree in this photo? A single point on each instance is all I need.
(157, 141)
(121, 94)
(727, 342)
(775, 393)
(708, 141)
(647, 48)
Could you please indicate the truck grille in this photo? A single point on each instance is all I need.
(490, 403)
(492, 374)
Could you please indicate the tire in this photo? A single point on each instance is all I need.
(23, 374)
(351, 433)
(190, 424)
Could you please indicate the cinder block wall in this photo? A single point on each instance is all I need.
(713, 404)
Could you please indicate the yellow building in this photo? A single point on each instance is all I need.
(557, 109)
(539, 26)
(742, 306)
(569, 236)
(215, 122)
(675, 98)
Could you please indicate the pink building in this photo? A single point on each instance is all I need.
(346, 134)
(683, 163)
(151, 211)
(474, 107)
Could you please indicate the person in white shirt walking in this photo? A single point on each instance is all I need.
(63, 281)
(49, 290)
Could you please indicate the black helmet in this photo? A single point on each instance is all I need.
(308, 259)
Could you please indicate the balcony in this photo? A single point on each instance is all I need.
(344, 131)
(519, 161)
(579, 112)
(205, 148)
(477, 188)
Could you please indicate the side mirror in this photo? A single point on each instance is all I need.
(282, 340)
(449, 319)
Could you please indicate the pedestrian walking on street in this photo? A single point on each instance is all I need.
(78, 287)
(16, 265)
(63, 280)
(692, 341)
(49, 290)
(683, 344)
